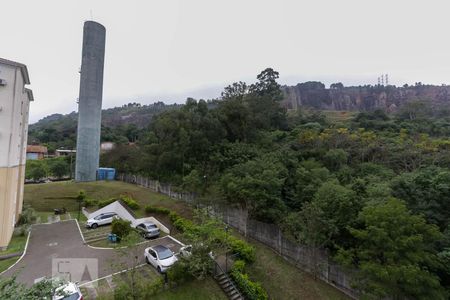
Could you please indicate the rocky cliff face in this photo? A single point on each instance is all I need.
(362, 98)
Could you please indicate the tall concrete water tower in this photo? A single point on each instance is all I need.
(90, 101)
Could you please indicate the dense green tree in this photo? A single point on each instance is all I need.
(394, 253)
(256, 185)
(10, 289)
(58, 167)
(267, 84)
(193, 182)
(235, 117)
(335, 159)
(237, 90)
(312, 228)
(426, 192)
(264, 102)
(309, 176)
(340, 206)
(124, 158)
(337, 85)
(36, 169)
(413, 110)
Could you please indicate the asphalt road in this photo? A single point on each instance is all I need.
(58, 250)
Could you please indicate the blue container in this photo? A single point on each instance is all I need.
(106, 174)
(112, 238)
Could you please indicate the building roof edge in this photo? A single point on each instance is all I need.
(23, 68)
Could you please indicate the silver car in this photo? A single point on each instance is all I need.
(148, 229)
(101, 219)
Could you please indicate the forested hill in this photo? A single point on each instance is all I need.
(122, 124)
(389, 98)
(373, 190)
(119, 124)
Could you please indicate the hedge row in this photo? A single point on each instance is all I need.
(180, 223)
(130, 202)
(251, 290)
(244, 250)
(106, 202)
(91, 202)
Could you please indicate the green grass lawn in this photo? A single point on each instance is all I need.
(278, 277)
(48, 196)
(74, 215)
(284, 281)
(17, 244)
(43, 216)
(207, 289)
(5, 264)
(195, 290)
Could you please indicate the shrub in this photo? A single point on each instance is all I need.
(243, 249)
(184, 225)
(239, 265)
(251, 290)
(22, 230)
(157, 210)
(239, 247)
(179, 273)
(90, 202)
(121, 227)
(153, 287)
(173, 216)
(106, 202)
(130, 202)
(28, 216)
(122, 291)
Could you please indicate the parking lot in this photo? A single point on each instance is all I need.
(58, 249)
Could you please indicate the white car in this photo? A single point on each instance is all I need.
(69, 291)
(101, 219)
(160, 257)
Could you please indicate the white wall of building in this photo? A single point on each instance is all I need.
(14, 109)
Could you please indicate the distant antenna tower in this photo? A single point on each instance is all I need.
(387, 80)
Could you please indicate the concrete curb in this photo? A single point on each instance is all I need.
(140, 243)
(116, 273)
(11, 255)
(177, 241)
(79, 229)
(23, 254)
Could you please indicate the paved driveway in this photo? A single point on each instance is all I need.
(59, 247)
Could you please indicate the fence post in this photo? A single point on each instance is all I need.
(238, 218)
(279, 241)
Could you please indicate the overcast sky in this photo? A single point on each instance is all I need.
(169, 50)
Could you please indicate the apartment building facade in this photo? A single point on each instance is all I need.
(15, 100)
